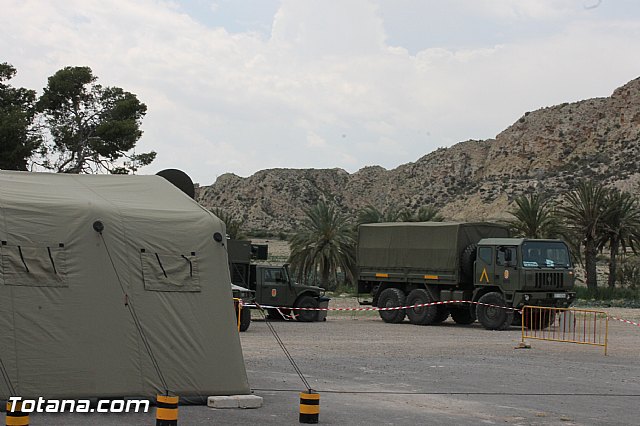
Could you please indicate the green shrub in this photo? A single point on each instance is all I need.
(608, 297)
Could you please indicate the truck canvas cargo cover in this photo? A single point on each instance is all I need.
(406, 245)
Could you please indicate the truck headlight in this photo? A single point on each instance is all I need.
(527, 297)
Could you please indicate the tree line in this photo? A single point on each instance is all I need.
(590, 219)
(75, 126)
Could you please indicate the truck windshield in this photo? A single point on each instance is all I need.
(545, 254)
(285, 271)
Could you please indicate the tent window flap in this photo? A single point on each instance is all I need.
(169, 271)
(43, 266)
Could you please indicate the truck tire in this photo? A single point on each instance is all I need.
(389, 298)
(493, 318)
(425, 315)
(463, 314)
(245, 319)
(467, 258)
(274, 315)
(442, 313)
(306, 302)
(539, 319)
(517, 319)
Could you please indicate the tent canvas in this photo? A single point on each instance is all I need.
(66, 291)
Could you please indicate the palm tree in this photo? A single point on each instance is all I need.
(428, 214)
(371, 214)
(584, 211)
(406, 215)
(621, 227)
(234, 227)
(534, 218)
(324, 245)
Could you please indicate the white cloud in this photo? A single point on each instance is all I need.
(517, 9)
(326, 89)
(319, 28)
(315, 141)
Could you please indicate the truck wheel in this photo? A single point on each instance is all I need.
(539, 319)
(425, 315)
(306, 302)
(467, 257)
(442, 313)
(494, 318)
(274, 315)
(245, 319)
(462, 314)
(517, 319)
(390, 298)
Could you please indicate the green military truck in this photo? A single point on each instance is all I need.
(405, 264)
(272, 284)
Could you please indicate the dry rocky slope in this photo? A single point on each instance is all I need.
(545, 151)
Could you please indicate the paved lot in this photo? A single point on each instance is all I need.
(369, 372)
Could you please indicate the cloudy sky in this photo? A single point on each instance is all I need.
(243, 85)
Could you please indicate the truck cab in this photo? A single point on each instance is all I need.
(528, 272)
(515, 272)
(273, 284)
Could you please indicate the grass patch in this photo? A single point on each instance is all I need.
(607, 297)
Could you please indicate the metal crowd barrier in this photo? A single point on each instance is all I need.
(581, 326)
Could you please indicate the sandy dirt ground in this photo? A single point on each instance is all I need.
(368, 372)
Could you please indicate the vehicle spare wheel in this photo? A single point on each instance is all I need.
(467, 258)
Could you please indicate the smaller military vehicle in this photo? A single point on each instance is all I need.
(407, 264)
(245, 296)
(272, 284)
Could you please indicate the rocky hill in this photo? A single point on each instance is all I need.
(546, 150)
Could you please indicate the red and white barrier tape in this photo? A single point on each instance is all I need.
(395, 308)
(624, 321)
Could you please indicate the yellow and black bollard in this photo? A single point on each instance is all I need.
(16, 417)
(166, 410)
(309, 407)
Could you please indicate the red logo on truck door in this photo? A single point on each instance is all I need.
(274, 292)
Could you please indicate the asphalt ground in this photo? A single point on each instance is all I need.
(369, 372)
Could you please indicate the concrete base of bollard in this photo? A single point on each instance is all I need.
(235, 401)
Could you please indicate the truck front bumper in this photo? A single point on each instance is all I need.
(557, 299)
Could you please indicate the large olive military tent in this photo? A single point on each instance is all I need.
(73, 299)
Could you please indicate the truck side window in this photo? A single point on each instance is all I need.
(506, 256)
(273, 275)
(485, 254)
